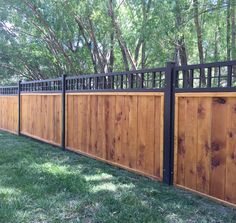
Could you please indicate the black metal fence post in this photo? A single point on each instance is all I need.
(169, 125)
(63, 121)
(19, 108)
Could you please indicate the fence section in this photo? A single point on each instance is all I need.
(41, 117)
(205, 118)
(125, 129)
(205, 155)
(158, 122)
(9, 113)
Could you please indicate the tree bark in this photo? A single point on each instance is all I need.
(228, 31)
(123, 46)
(233, 30)
(199, 39)
(181, 54)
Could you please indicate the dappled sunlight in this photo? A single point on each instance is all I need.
(172, 217)
(9, 191)
(98, 177)
(51, 168)
(109, 186)
(104, 186)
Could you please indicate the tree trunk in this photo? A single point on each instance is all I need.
(233, 29)
(123, 46)
(199, 39)
(228, 30)
(181, 47)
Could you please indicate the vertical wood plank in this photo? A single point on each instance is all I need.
(204, 144)
(191, 143)
(142, 126)
(118, 127)
(230, 179)
(101, 142)
(110, 112)
(93, 128)
(218, 147)
(181, 149)
(132, 108)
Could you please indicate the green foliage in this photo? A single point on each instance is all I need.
(42, 39)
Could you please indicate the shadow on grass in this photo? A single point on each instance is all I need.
(40, 183)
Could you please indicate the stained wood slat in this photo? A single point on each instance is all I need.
(191, 142)
(118, 129)
(204, 144)
(41, 117)
(8, 113)
(230, 179)
(205, 140)
(218, 147)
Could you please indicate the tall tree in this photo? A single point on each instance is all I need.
(228, 30)
(199, 39)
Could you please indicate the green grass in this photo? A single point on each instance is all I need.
(40, 183)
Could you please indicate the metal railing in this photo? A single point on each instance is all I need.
(219, 76)
(9, 90)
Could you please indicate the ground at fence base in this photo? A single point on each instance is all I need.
(226, 203)
(115, 164)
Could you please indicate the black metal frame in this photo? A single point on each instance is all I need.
(63, 135)
(219, 77)
(19, 107)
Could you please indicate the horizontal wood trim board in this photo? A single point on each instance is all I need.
(40, 139)
(210, 94)
(114, 164)
(118, 93)
(44, 94)
(206, 195)
(7, 130)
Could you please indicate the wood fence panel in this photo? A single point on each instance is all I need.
(9, 113)
(125, 129)
(205, 136)
(41, 117)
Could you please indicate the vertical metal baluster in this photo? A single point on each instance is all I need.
(229, 76)
(209, 77)
(219, 77)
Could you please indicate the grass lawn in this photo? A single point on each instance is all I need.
(40, 183)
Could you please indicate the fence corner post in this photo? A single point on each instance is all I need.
(19, 108)
(63, 121)
(168, 159)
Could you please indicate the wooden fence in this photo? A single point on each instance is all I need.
(165, 123)
(9, 113)
(125, 129)
(41, 117)
(205, 152)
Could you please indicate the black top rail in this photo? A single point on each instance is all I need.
(219, 76)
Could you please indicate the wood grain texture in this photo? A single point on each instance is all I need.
(9, 113)
(205, 140)
(124, 129)
(41, 117)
